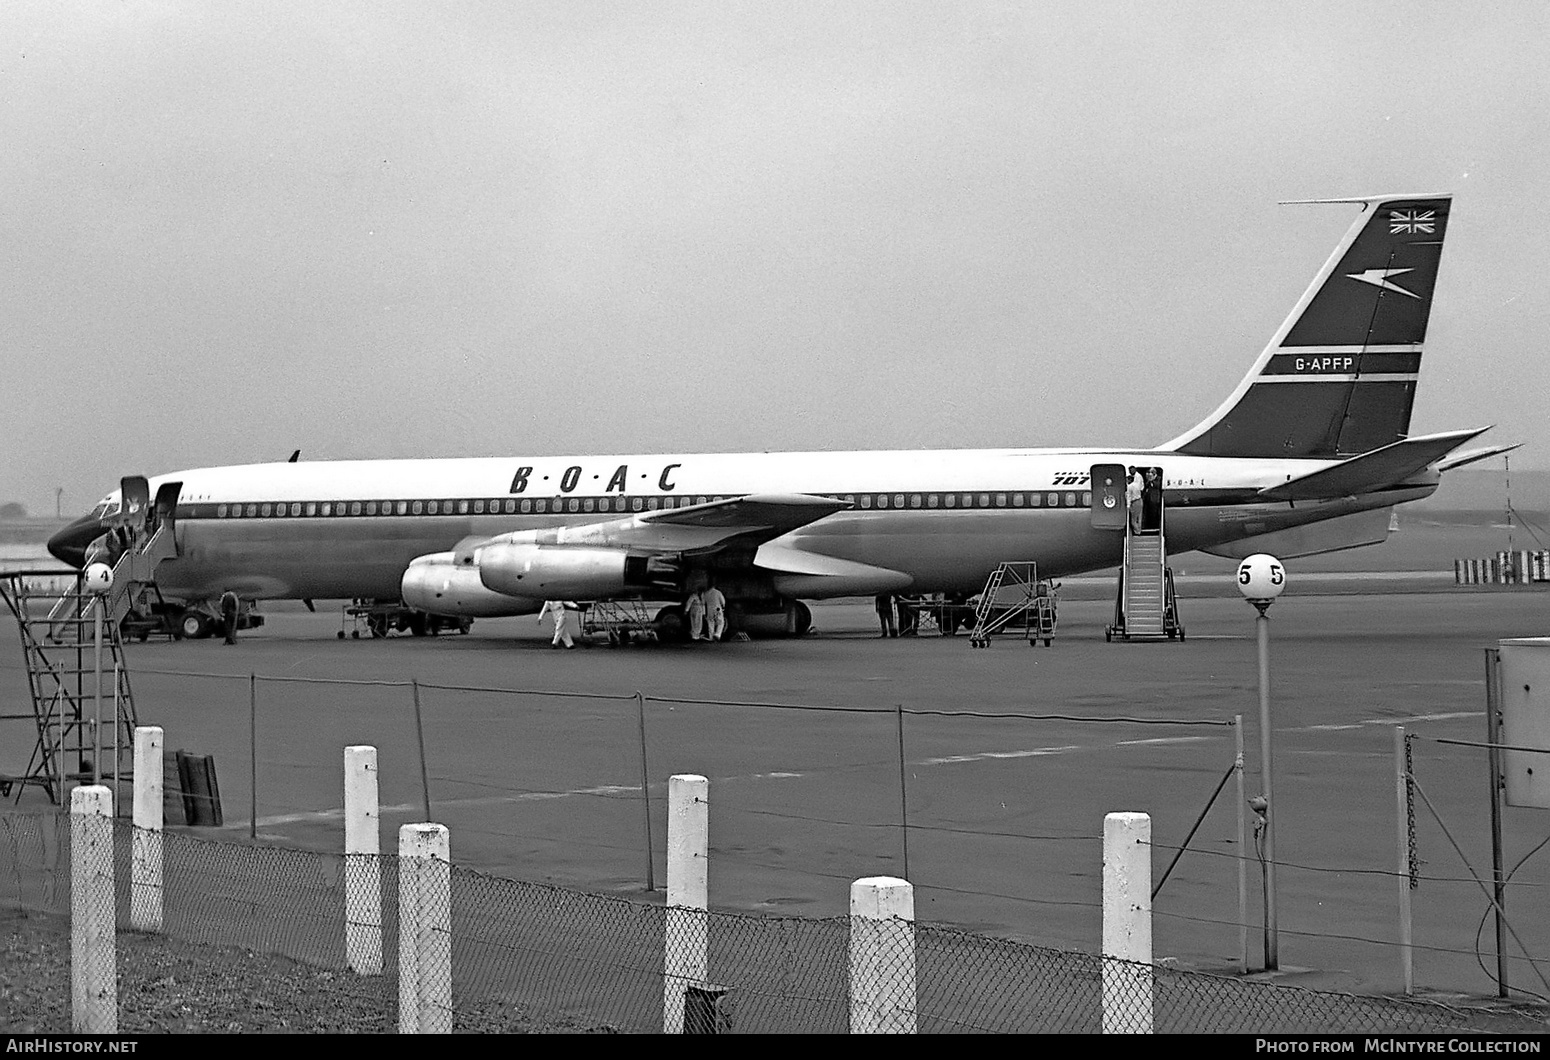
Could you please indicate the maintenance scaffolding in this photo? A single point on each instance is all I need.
(82, 705)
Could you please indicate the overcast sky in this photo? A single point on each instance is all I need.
(236, 229)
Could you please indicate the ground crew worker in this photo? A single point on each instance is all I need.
(715, 612)
(230, 607)
(557, 609)
(885, 615)
(694, 607)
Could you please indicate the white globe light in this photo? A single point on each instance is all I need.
(1261, 577)
(99, 578)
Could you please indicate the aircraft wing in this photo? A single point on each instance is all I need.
(799, 573)
(1387, 466)
(747, 521)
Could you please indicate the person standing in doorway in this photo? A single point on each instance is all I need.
(715, 612)
(885, 615)
(556, 609)
(1133, 500)
(1152, 500)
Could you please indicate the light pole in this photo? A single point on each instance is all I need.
(1261, 579)
(99, 580)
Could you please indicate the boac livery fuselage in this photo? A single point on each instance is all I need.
(1309, 453)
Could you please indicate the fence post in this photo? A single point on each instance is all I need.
(253, 757)
(145, 872)
(882, 956)
(685, 957)
(424, 930)
(1242, 842)
(93, 965)
(645, 790)
(1127, 923)
(362, 869)
(1402, 829)
(419, 732)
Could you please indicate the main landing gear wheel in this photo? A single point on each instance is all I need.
(671, 624)
(194, 625)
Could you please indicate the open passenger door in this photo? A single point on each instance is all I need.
(1108, 504)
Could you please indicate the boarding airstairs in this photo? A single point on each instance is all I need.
(134, 571)
(77, 737)
(1146, 607)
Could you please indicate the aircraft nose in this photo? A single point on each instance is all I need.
(69, 544)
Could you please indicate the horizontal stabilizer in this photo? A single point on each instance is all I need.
(1388, 466)
(1332, 535)
(1476, 454)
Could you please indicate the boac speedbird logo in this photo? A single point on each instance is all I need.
(1380, 278)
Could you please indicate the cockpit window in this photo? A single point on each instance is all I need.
(105, 507)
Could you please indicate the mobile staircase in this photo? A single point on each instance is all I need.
(1146, 607)
(1014, 598)
(143, 547)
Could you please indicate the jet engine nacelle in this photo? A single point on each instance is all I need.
(439, 584)
(537, 572)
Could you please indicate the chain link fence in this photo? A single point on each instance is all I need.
(522, 954)
(1448, 857)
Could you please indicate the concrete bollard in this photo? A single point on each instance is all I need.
(145, 871)
(424, 930)
(685, 942)
(882, 956)
(362, 868)
(1127, 923)
(93, 963)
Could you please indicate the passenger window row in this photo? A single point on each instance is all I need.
(565, 505)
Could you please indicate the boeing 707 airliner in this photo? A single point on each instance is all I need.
(1309, 453)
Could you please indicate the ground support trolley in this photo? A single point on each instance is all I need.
(378, 618)
(622, 621)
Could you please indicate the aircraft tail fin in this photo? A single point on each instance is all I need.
(1339, 376)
